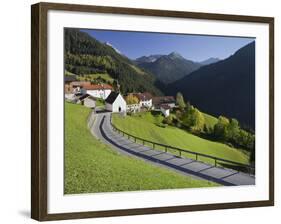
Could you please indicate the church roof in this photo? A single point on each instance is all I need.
(111, 97)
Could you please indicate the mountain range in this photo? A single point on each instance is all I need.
(224, 88)
(172, 67)
(167, 68)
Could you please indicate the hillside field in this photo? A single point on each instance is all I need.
(93, 77)
(91, 166)
(143, 125)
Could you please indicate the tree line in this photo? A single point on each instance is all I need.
(226, 130)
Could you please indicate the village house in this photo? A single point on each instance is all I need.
(165, 109)
(68, 89)
(163, 104)
(145, 99)
(88, 101)
(101, 91)
(76, 88)
(98, 90)
(115, 102)
(160, 100)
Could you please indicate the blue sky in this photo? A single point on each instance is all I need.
(193, 47)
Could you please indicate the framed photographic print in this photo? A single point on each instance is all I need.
(138, 111)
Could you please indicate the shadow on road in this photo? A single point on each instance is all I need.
(162, 162)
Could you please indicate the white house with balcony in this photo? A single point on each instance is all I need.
(101, 91)
(145, 99)
(165, 109)
(133, 107)
(163, 100)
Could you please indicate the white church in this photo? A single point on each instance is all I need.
(115, 103)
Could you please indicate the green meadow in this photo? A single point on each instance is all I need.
(91, 166)
(144, 125)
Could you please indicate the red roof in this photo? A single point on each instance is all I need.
(90, 86)
(96, 86)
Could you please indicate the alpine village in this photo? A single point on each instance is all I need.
(156, 122)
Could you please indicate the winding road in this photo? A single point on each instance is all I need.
(99, 124)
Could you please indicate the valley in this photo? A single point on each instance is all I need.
(205, 107)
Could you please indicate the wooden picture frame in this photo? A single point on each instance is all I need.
(39, 109)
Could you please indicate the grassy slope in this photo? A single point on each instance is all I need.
(105, 76)
(144, 126)
(91, 166)
(92, 77)
(138, 70)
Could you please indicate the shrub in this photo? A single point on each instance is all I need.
(230, 132)
(194, 119)
(178, 124)
(168, 120)
(220, 128)
(180, 101)
(131, 99)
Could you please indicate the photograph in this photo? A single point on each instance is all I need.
(153, 111)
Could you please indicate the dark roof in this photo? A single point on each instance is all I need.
(163, 100)
(165, 106)
(112, 97)
(144, 96)
(69, 78)
(84, 96)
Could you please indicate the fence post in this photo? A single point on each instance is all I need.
(215, 162)
(166, 149)
(196, 158)
(180, 152)
(153, 145)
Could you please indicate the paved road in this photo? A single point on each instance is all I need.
(101, 128)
